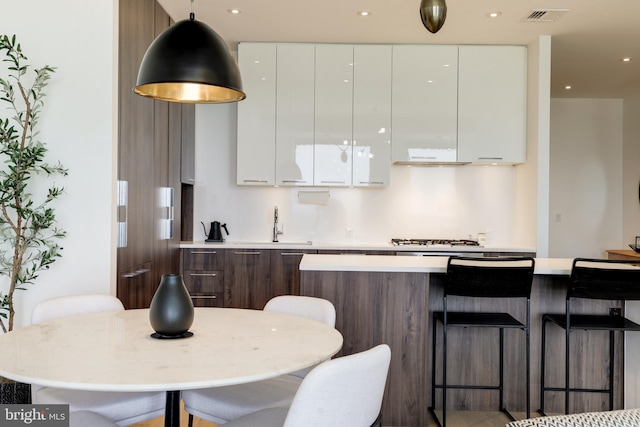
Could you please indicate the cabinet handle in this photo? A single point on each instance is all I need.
(333, 182)
(123, 213)
(372, 182)
(203, 274)
(204, 252)
(291, 253)
(295, 181)
(490, 158)
(423, 157)
(205, 297)
(136, 273)
(247, 253)
(255, 180)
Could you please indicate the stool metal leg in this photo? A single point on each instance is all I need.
(501, 386)
(433, 363)
(566, 367)
(611, 360)
(542, 365)
(444, 370)
(528, 359)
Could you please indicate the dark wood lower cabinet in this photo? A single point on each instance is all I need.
(248, 278)
(396, 309)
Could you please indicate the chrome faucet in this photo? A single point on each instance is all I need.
(276, 232)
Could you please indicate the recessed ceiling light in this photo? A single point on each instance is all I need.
(494, 14)
(625, 59)
(567, 87)
(234, 11)
(363, 13)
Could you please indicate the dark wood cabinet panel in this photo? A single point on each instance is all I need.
(136, 286)
(188, 144)
(285, 272)
(203, 259)
(205, 287)
(248, 278)
(149, 161)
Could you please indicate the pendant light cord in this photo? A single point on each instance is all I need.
(192, 15)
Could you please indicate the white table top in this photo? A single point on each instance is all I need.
(114, 351)
(410, 264)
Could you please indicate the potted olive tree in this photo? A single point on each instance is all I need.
(28, 233)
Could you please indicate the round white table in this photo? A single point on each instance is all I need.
(115, 352)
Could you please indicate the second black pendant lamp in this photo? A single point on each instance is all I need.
(189, 63)
(433, 13)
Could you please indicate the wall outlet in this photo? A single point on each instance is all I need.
(615, 311)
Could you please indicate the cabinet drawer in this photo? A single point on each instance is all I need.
(205, 287)
(203, 259)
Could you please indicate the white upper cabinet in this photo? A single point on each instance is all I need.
(295, 114)
(333, 115)
(424, 103)
(256, 115)
(371, 115)
(492, 104)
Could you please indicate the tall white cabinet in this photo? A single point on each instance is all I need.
(424, 104)
(295, 89)
(257, 115)
(371, 115)
(492, 84)
(333, 115)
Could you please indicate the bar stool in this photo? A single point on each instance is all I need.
(600, 279)
(502, 277)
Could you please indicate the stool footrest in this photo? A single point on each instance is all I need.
(470, 387)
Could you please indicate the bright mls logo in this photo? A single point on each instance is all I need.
(34, 415)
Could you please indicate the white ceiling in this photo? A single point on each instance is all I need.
(588, 41)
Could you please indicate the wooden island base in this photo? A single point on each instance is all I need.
(395, 308)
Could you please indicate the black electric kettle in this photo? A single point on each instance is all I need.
(215, 232)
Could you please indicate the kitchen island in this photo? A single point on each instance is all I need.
(382, 299)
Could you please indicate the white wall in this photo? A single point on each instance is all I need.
(422, 202)
(630, 229)
(77, 124)
(585, 208)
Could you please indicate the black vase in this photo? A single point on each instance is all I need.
(171, 311)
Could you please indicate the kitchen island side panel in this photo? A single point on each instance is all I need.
(396, 308)
(390, 308)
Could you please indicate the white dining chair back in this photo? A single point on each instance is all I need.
(55, 308)
(222, 404)
(318, 309)
(343, 392)
(122, 408)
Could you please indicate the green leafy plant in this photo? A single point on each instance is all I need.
(28, 234)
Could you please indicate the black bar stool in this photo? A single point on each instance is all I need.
(503, 277)
(593, 279)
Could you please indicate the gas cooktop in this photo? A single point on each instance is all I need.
(434, 242)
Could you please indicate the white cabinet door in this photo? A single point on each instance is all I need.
(371, 115)
(424, 103)
(256, 115)
(295, 114)
(333, 115)
(492, 104)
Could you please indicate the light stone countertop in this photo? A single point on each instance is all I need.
(411, 264)
(362, 246)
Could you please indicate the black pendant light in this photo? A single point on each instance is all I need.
(189, 63)
(433, 14)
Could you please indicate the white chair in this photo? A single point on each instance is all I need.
(222, 404)
(343, 392)
(122, 408)
(89, 419)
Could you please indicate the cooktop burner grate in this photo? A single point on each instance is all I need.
(434, 242)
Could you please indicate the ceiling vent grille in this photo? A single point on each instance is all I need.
(545, 15)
